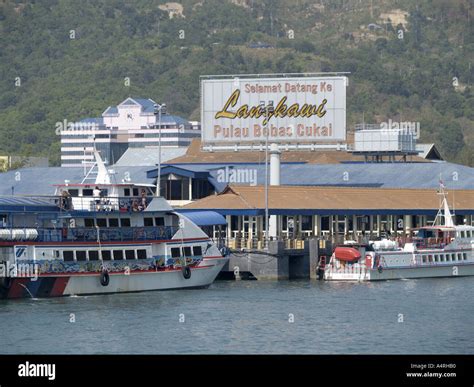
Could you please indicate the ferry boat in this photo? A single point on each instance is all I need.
(441, 250)
(100, 237)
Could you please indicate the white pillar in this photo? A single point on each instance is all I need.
(274, 165)
(407, 223)
(274, 180)
(317, 225)
(190, 188)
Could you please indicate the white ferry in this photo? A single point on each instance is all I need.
(96, 238)
(441, 250)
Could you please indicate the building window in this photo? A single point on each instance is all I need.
(197, 251)
(106, 255)
(68, 256)
(129, 254)
(93, 255)
(175, 189)
(200, 188)
(81, 256)
(118, 255)
(306, 222)
(325, 223)
(141, 254)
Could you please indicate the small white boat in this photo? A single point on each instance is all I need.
(441, 250)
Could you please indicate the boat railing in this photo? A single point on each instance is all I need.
(89, 234)
(426, 243)
(67, 202)
(104, 203)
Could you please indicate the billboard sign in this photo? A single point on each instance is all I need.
(287, 110)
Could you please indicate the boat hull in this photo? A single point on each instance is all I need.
(57, 285)
(460, 270)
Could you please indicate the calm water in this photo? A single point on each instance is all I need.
(252, 317)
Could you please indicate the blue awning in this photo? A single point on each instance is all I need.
(205, 218)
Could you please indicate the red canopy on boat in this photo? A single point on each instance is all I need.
(347, 254)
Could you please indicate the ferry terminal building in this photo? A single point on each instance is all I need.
(330, 194)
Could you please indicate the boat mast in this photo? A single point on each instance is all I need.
(444, 211)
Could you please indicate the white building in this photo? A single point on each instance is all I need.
(132, 123)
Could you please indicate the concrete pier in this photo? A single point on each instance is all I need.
(279, 263)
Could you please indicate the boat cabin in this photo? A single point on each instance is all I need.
(105, 197)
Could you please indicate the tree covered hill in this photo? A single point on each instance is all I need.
(66, 60)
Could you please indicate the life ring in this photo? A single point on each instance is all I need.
(104, 278)
(7, 283)
(186, 272)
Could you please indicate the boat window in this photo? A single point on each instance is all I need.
(56, 253)
(148, 222)
(129, 254)
(106, 256)
(73, 192)
(87, 192)
(463, 234)
(459, 257)
(118, 255)
(187, 251)
(88, 222)
(141, 254)
(175, 253)
(136, 192)
(436, 258)
(125, 222)
(81, 256)
(102, 222)
(113, 222)
(424, 258)
(430, 258)
(93, 255)
(68, 256)
(160, 221)
(197, 250)
(126, 192)
(464, 256)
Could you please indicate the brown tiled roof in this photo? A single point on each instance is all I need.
(194, 154)
(347, 198)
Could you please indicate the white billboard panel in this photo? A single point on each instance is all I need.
(304, 109)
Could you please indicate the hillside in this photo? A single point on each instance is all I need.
(66, 60)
